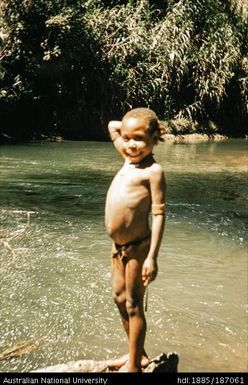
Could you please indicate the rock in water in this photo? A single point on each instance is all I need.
(163, 363)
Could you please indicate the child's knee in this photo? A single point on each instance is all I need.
(132, 306)
(119, 297)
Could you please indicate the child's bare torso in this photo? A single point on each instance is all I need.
(128, 204)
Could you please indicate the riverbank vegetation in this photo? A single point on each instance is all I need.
(68, 66)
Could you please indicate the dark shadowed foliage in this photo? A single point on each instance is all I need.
(67, 67)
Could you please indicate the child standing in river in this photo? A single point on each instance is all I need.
(137, 189)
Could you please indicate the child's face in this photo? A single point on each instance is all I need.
(137, 138)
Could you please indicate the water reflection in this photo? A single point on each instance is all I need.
(57, 285)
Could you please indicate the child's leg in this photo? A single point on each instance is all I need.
(119, 295)
(134, 304)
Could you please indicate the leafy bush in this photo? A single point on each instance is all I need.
(76, 64)
(181, 126)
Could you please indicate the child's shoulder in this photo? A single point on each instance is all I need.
(156, 168)
(156, 175)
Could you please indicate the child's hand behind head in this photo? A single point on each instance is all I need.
(114, 125)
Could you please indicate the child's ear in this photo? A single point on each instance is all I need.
(155, 139)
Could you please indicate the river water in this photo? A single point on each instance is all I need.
(55, 264)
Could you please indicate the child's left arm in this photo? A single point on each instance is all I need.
(158, 187)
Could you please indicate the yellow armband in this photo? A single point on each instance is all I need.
(158, 209)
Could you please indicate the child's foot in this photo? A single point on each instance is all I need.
(125, 368)
(118, 362)
(145, 361)
(122, 362)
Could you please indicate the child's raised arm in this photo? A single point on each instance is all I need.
(114, 128)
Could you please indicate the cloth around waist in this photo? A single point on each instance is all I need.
(126, 250)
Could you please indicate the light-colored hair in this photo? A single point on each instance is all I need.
(155, 126)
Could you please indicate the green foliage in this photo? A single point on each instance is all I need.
(181, 126)
(76, 64)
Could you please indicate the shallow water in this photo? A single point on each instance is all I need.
(55, 273)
